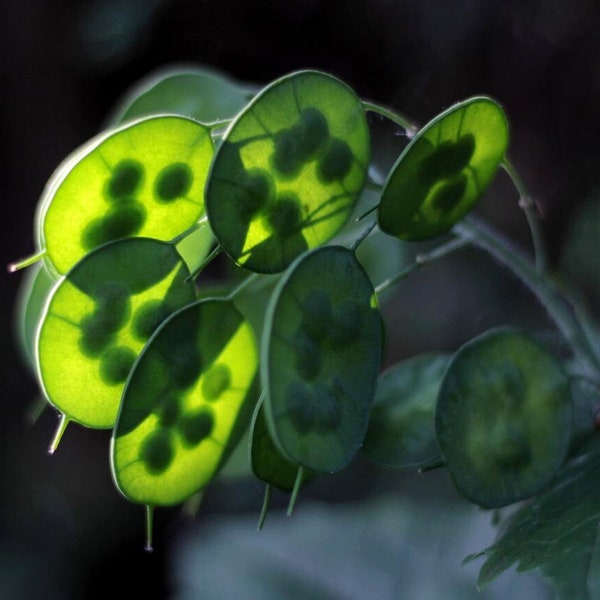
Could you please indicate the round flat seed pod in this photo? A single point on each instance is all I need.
(401, 428)
(288, 171)
(444, 170)
(143, 179)
(187, 402)
(321, 352)
(503, 418)
(97, 320)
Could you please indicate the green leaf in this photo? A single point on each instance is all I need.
(201, 93)
(444, 170)
(98, 319)
(503, 417)
(320, 355)
(401, 426)
(143, 179)
(187, 402)
(557, 533)
(289, 171)
(33, 293)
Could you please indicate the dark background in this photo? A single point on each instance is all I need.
(64, 531)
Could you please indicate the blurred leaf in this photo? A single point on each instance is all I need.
(580, 250)
(557, 533)
(193, 91)
(34, 289)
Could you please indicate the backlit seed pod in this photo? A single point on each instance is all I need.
(444, 170)
(289, 171)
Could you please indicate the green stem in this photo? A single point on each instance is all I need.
(438, 463)
(529, 208)
(560, 312)
(363, 236)
(26, 262)
(265, 506)
(296, 490)
(63, 421)
(218, 124)
(422, 260)
(405, 123)
(149, 526)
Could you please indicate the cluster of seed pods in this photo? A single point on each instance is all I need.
(126, 340)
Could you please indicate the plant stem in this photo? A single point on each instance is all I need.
(531, 214)
(63, 421)
(422, 260)
(26, 262)
(296, 490)
(149, 525)
(405, 123)
(265, 506)
(475, 232)
(363, 236)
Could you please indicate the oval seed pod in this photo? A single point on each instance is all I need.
(288, 171)
(143, 179)
(444, 170)
(97, 320)
(187, 402)
(401, 428)
(503, 418)
(320, 355)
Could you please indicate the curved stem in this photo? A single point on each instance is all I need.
(265, 506)
(296, 490)
(405, 123)
(421, 260)
(363, 236)
(529, 208)
(560, 312)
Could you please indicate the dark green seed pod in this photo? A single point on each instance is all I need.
(503, 418)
